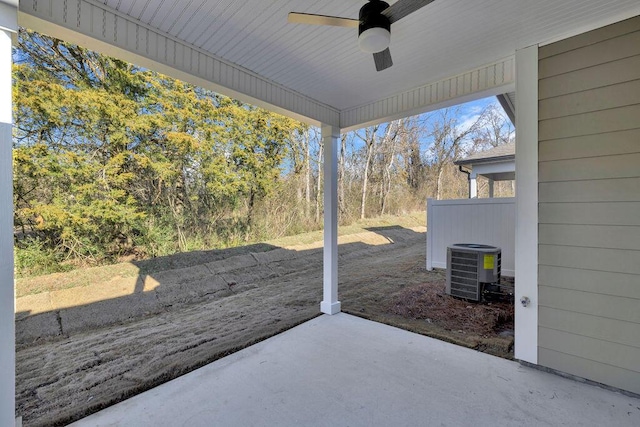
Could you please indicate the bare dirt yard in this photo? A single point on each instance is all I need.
(90, 338)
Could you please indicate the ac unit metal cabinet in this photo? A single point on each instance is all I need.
(470, 267)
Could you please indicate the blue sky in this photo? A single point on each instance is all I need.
(469, 112)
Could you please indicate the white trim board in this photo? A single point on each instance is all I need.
(526, 258)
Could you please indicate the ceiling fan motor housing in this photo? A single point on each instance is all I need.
(371, 18)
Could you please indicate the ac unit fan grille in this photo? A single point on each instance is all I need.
(464, 275)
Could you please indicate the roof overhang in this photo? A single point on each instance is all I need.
(499, 171)
(500, 159)
(508, 103)
(495, 171)
(446, 53)
(498, 163)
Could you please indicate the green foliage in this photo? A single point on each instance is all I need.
(112, 159)
(156, 239)
(33, 257)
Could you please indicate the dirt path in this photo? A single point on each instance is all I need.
(61, 378)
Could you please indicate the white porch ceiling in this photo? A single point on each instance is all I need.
(322, 66)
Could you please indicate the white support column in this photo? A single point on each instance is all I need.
(330, 138)
(491, 182)
(526, 256)
(8, 25)
(473, 186)
(430, 220)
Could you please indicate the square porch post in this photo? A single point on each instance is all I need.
(526, 254)
(8, 25)
(473, 186)
(330, 303)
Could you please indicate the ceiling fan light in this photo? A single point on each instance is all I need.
(374, 40)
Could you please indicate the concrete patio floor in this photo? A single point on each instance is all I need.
(345, 371)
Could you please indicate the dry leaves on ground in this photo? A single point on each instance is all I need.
(428, 301)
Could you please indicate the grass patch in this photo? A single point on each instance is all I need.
(88, 276)
(413, 219)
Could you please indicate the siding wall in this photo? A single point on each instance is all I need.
(589, 205)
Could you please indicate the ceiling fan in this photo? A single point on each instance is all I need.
(374, 25)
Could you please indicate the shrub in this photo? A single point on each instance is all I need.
(33, 258)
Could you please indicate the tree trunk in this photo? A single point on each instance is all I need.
(251, 206)
(365, 180)
(386, 189)
(439, 184)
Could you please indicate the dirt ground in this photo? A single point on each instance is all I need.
(238, 299)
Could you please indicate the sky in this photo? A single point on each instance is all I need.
(468, 113)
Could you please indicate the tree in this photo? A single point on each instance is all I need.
(71, 159)
(105, 151)
(113, 159)
(496, 129)
(368, 137)
(448, 138)
(260, 143)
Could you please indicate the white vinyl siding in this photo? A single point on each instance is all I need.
(589, 205)
(486, 221)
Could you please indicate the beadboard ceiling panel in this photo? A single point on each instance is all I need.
(444, 39)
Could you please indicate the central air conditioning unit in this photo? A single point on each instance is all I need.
(472, 269)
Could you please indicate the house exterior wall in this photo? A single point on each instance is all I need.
(589, 205)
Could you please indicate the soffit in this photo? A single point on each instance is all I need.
(443, 39)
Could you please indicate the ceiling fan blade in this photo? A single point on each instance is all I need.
(383, 59)
(312, 19)
(402, 8)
